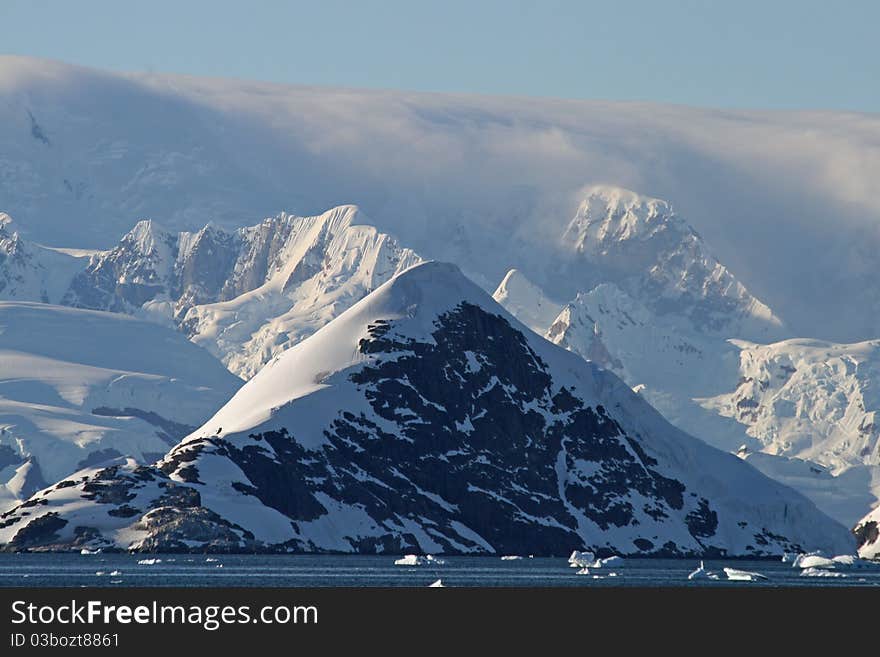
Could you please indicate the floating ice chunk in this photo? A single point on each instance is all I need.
(815, 561)
(788, 557)
(149, 562)
(583, 571)
(821, 572)
(614, 561)
(743, 575)
(437, 585)
(851, 561)
(580, 559)
(100, 572)
(210, 560)
(510, 557)
(88, 551)
(796, 562)
(702, 573)
(418, 560)
(115, 573)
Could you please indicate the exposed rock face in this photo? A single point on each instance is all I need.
(425, 418)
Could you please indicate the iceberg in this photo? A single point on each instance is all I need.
(580, 559)
(418, 560)
(743, 575)
(815, 561)
(609, 562)
(821, 572)
(702, 573)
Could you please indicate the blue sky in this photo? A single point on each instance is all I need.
(743, 53)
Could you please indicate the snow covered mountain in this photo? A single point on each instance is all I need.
(79, 387)
(650, 252)
(245, 295)
(800, 410)
(425, 418)
(813, 399)
(30, 272)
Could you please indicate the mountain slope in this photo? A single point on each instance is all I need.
(801, 410)
(526, 301)
(80, 387)
(427, 418)
(30, 272)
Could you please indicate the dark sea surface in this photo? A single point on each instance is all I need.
(74, 570)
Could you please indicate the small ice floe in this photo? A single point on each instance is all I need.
(116, 581)
(582, 571)
(580, 559)
(437, 585)
(100, 573)
(115, 573)
(609, 562)
(743, 575)
(418, 560)
(149, 562)
(821, 572)
(85, 551)
(605, 576)
(219, 565)
(210, 560)
(511, 557)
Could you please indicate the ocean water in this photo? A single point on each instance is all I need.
(74, 570)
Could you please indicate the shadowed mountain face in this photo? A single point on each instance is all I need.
(425, 418)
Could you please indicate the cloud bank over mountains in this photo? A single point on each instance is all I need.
(786, 198)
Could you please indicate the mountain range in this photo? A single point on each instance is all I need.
(425, 418)
(118, 347)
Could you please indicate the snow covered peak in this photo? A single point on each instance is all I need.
(613, 214)
(526, 301)
(6, 224)
(145, 234)
(416, 296)
(640, 244)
